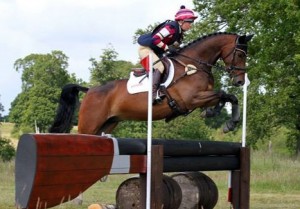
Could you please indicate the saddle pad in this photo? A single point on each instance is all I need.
(141, 84)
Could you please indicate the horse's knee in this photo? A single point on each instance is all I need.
(233, 99)
(228, 97)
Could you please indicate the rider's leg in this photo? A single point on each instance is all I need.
(158, 71)
(155, 87)
(144, 51)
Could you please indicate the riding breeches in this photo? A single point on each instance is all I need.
(144, 51)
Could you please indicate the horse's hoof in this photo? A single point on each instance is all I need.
(207, 113)
(225, 130)
(203, 114)
(229, 126)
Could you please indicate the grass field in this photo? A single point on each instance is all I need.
(275, 184)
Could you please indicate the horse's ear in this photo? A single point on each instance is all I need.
(244, 38)
(249, 37)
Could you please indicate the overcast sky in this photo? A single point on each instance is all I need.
(78, 28)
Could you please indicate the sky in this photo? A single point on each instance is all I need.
(81, 29)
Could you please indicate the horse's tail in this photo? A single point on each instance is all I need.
(67, 105)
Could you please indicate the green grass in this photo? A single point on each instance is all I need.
(275, 183)
(7, 185)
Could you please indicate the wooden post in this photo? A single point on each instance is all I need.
(156, 181)
(245, 178)
(235, 186)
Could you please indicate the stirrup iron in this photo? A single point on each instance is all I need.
(157, 99)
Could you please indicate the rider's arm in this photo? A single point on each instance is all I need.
(163, 36)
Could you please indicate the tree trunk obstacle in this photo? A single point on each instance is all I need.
(70, 163)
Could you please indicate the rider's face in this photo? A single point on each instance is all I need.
(186, 25)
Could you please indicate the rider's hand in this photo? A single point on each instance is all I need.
(172, 50)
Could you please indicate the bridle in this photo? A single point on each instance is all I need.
(238, 47)
(230, 69)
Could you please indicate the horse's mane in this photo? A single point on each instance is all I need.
(202, 38)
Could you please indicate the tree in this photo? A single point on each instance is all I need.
(273, 59)
(1, 108)
(108, 68)
(7, 150)
(43, 76)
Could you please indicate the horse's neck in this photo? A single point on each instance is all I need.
(208, 51)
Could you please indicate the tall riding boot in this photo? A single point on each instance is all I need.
(156, 84)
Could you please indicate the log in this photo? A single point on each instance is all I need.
(128, 195)
(198, 190)
(174, 147)
(201, 163)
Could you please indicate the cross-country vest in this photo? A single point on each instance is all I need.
(146, 39)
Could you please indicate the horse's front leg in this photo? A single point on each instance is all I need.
(218, 100)
(235, 112)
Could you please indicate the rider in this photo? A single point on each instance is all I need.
(166, 37)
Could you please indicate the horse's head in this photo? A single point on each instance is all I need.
(235, 59)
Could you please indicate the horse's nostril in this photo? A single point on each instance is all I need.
(239, 83)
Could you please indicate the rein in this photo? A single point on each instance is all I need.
(230, 69)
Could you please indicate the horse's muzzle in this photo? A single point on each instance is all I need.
(238, 82)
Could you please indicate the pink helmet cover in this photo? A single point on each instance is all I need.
(185, 14)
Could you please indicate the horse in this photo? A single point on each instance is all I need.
(104, 106)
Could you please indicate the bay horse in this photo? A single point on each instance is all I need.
(103, 107)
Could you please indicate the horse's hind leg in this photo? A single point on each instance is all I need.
(95, 122)
(107, 127)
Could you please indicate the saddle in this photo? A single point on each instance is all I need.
(138, 80)
(138, 72)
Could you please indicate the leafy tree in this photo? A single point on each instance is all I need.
(43, 75)
(191, 127)
(7, 151)
(1, 109)
(108, 68)
(140, 31)
(273, 61)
